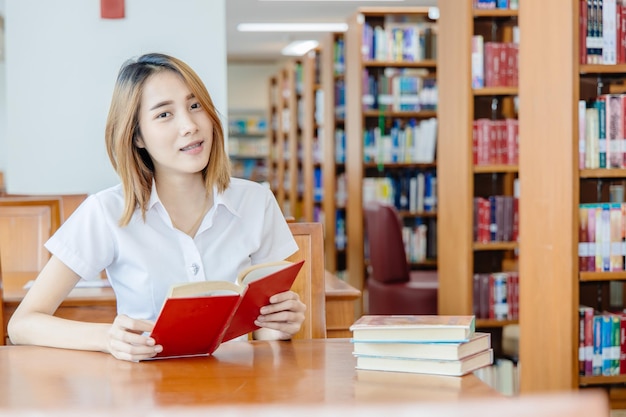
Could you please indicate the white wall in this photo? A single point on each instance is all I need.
(248, 85)
(61, 63)
(3, 106)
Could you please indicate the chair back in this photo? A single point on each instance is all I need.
(3, 334)
(310, 282)
(386, 247)
(25, 225)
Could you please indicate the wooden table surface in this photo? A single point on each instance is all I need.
(99, 305)
(320, 371)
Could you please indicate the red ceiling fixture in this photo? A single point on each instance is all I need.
(112, 9)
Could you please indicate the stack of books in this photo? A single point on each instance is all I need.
(439, 345)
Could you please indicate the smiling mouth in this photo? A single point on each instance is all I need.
(190, 147)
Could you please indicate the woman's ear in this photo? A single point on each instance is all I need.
(138, 140)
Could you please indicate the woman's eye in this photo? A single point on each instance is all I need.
(162, 115)
(196, 106)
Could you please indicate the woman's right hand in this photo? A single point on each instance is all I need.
(127, 340)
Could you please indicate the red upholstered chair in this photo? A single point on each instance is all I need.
(393, 288)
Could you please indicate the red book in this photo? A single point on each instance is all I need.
(198, 316)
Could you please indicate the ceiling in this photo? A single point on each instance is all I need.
(266, 47)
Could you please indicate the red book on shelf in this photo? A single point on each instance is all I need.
(198, 316)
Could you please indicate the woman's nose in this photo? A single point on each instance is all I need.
(187, 125)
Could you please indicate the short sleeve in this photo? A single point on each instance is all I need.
(84, 242)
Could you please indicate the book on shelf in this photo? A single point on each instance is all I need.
(197, 317)
(413, 328)
(425, 350)
(458, 367)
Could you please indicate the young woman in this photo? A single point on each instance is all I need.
(176, 216)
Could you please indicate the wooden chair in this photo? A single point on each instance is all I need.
(26, 222)
(3, 334)
(310, 284)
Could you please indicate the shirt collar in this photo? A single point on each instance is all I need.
(219, 199)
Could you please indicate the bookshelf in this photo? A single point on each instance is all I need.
(334, 152)
(248, 143)
(286, 137)
(598, 285)
(477, 176)
(375, 109)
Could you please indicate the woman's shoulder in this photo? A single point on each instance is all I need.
(112, 197)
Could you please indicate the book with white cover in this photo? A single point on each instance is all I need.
(426, 366)
(425, 350)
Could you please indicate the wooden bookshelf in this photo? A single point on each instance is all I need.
(248, 148)
(333, 161)
(461, 257)
(359, 121)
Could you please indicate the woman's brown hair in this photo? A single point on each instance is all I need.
(133, 164)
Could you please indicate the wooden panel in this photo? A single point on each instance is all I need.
(341, 299)
(71, 203)
(23, 232)
(548, 329)
(310, 281)
(354, 153)
(454, 171)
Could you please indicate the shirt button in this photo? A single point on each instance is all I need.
(195, 268)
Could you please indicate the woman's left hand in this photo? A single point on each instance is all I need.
(285, 313)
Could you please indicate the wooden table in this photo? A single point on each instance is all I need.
(320, 371)
(85, 304)
(98, 304)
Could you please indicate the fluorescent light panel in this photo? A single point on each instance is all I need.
(335, 1)
(292, 27)
(299, 48)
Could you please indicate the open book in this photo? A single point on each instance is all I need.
(198, 316)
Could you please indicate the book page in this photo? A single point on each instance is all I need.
(203, 288)
(256, 272)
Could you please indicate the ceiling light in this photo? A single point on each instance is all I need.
(337, 1)
(299, 48)
(292, 27)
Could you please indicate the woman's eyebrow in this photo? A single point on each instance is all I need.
(161, 104)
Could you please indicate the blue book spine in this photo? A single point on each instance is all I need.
(597, 345)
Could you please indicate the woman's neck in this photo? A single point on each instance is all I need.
(186, 202)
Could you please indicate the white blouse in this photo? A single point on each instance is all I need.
(143, 259)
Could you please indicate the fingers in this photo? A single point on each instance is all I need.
(128, 339)
(285, 313)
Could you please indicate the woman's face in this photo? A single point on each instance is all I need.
(175, 130)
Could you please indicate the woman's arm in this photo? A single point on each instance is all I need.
(33, 322)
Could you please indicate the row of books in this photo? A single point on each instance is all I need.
(496, 4)
(409, 141)
(495, 141)
(602, 342)
(399, 90)
(496, 295)
(414, 191)
(401, 41)
(494, 64)
(602, 132)
(602, 32)
(420, 240)
(339, 53)
(602, 237)
(496, 219)
(439, 345)
(247, 124)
